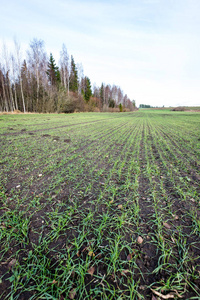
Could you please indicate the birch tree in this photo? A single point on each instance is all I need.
(37, 61)
(13, 70)
(3, 94)
(18, 56)
(64, 67)
(7, 71)
(80, 77)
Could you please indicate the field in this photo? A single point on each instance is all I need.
(100, 206)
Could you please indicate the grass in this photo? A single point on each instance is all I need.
(100, 206)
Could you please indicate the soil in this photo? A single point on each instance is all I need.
(148, 254)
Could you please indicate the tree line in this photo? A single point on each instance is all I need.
(145, 106)
(35, 83)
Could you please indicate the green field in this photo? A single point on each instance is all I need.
(100, 206)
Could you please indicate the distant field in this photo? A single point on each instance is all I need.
(192, 108)
(100, 205)
(187, 108)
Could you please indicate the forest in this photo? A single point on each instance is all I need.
(35, 83)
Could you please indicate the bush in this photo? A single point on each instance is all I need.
(179, 108)
(70, 103)
(114, 109)
(111, 103)
(96, 109)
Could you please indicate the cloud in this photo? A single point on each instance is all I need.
(148, 47)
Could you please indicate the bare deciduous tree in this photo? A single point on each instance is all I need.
(7, 71)
(37, 60)
(18, 56)
(13, 68)
(64, 64)
(4, 97)
(80, 76)
(25, 83)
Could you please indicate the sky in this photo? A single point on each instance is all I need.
(150, 48)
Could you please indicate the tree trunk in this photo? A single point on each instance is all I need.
(17, 48)
(4, 95)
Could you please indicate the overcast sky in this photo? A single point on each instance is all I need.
(150, 48)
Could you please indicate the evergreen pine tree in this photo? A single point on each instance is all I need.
(87, 93)
(102, 94)
(53, 71)
(73, 79)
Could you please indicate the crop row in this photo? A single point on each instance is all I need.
(101, 210)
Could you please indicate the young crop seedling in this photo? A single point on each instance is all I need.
(100, 206)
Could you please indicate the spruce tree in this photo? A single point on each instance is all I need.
(87, 92)
(53, 71)
(73, 79)
(102, 94)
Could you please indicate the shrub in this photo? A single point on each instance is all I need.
(179, 108)
(126, 109)
(70, 103)
(111, 103)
